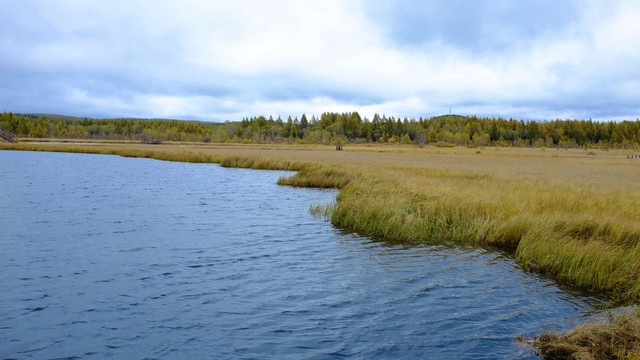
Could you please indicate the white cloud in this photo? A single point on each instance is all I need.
(228, 59)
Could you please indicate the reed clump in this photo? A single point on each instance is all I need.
(318, 176)
(613, 336)
(322, 210)
(598, 256)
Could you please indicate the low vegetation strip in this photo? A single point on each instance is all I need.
(572, 217)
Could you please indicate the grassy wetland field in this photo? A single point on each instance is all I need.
(572, 215)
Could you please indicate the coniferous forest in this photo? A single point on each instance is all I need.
(331, 127)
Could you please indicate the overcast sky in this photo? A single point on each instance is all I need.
(224, 60)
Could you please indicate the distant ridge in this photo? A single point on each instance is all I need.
(449, 116)
(51, 116)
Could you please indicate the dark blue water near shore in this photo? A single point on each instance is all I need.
(104, 256)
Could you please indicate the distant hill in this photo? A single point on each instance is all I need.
(51, 116)
(453, 116)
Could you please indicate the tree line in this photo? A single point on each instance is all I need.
(331, 127)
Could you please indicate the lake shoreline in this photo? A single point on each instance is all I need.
(570, 229)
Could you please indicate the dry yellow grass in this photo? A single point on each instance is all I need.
(613, 336)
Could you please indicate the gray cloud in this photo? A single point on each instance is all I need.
(477, 26)
(225, 60)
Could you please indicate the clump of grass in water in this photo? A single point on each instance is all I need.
(317, 177)
(322, 210)
(613, 336)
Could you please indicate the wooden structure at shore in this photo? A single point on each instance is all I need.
(6, 136)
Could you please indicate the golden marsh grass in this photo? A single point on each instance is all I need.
(613, 336)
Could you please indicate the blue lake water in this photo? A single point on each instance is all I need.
(111, 257)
